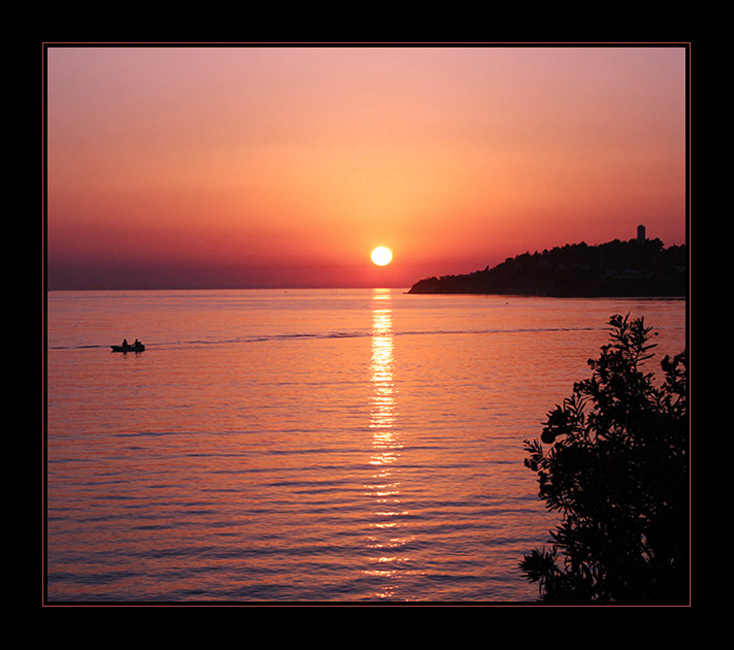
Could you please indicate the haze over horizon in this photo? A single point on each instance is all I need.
(258, 167)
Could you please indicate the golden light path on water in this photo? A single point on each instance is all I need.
(386, 537)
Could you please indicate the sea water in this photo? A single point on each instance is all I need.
(313, 446)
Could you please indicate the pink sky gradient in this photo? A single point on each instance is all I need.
(178, 167)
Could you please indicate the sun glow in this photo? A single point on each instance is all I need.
(381, 256)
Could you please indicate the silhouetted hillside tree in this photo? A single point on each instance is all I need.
(613, 461)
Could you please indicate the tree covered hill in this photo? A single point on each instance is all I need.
(634, 268)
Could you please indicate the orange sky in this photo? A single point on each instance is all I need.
(265, 166)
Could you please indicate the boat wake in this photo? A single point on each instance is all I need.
(315, 336)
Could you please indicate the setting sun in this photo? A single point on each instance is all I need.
(381, 256)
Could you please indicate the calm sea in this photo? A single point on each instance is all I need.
(308, 445)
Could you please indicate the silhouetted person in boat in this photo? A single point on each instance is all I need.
(124, 343)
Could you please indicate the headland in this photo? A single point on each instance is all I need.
(638, 267)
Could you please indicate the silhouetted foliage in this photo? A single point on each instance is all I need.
(616, 268)
(613, 461)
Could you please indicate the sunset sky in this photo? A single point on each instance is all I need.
(226, 167)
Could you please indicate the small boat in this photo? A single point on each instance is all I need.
(136, 347)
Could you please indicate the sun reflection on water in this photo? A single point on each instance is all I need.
(382, 407)
(387, 539)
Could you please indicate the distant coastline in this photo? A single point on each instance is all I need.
(636, 268)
